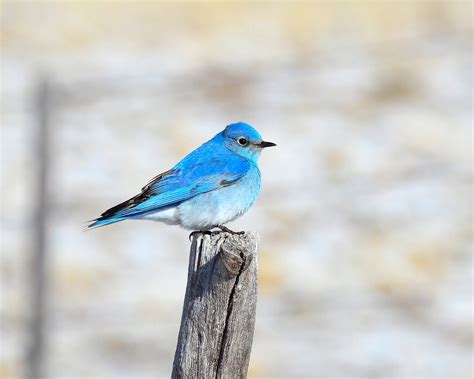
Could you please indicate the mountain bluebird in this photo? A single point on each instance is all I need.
(214, 184)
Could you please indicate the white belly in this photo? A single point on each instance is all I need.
(168, 216)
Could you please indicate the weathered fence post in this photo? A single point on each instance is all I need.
(216, 333)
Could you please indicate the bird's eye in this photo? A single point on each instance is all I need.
(242, 141)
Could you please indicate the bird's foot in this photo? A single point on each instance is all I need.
(213, 233)
(206, 232)
(227, 230)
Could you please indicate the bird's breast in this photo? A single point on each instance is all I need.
(222, 205)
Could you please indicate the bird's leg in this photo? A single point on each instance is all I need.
(191, 235)
(227, 230)
(212, 233)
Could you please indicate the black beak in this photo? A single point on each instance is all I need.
(264, 144)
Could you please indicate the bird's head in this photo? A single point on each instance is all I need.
(244, 140)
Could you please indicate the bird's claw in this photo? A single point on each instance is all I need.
(213, 233)
(207, 232)
(192, 234)
(227, 230)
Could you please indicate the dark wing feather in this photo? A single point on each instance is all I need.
(158, 178)
(137, 199)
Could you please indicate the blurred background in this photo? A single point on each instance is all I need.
(365, 216)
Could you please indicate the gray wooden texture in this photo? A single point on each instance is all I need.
(217, 325)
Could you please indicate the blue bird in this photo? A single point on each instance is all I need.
(213, 185)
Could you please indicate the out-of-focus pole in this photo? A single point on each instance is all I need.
(38, 288)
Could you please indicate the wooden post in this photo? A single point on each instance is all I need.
(217, 325)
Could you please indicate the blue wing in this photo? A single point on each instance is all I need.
(194, 175)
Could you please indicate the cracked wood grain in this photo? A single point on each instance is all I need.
(217, 325)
